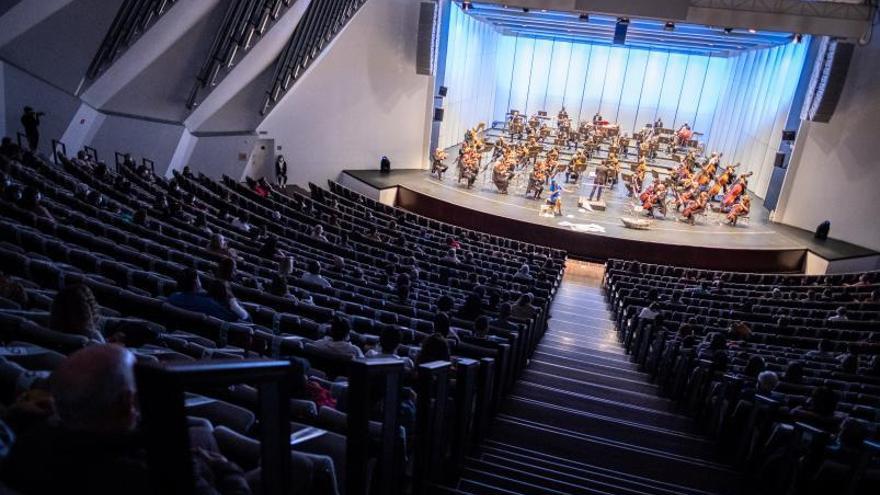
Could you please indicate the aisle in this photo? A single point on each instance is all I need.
(582, 420)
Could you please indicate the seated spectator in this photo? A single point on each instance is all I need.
(738, 331)
(523, 274)
(31, 200)
(503, 318)
(650, 311)
(820, 410)
(524, 309)
(313, 275)
(13, 291)
(373, 234)
(9, 149)
(473, 305)
(451, 243)
(221, 291)
(434, 347)
(270, 249)
(825, 350)
(402, 289)
(191, 297)
(337, 342)
(794, 373)
(766, 384)
(243, 222)
(389, 343)
(262, 188)
(450, 257)
(839, 315)
(317, 232)
(443, 327)
(75, 311)
(219, 247)
(201, 223)
(481, 330)
(95, 448)
(849, 363)
(754, 366)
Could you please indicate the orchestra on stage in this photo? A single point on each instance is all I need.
(531, 156)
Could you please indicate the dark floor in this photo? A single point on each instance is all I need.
(710, 231)
(582, 420)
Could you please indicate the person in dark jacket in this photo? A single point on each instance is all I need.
(30, 120)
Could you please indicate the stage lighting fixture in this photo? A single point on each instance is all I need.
(752, 30)
(466, 5)
(728, 30)
(584, 17)
(670, 26)
(798, 38)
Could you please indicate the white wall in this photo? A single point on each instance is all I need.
(360, 100)
(216, 156)
(469, 75)
(835, 170)
(156, 141)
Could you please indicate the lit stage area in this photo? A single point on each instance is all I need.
(595, 235)
(699, 118)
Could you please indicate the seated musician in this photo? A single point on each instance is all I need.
(597, 119)
(740, 209)
(498, 148)
(437, 166)
(656, 199)
(694, 207)
(576, 167)
(501, 174)
(738, 189)
(684, 135)
(658, 124)
(534, 122)
(637, 180)
(536, 180)
(544, 132)
(563, 115)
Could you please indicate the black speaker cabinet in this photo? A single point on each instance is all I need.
(438, 115)
(442, 91)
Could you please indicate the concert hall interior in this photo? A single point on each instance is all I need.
(440, 247)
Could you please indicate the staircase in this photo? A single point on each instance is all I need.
(583, 420)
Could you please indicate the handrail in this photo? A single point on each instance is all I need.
(91, 152)
(55, 144)
(432, 387)
(370, 379)
(161, 392)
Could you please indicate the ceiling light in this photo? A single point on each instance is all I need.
(752, 30)
(544, 10)
(670, 26)
(466, 5)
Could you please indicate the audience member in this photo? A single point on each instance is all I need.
(75, 311)
(524, 309)
(337, 340)
(434, 347)
(191, 297)
(389, 343)
(503, 318)
(221, 292)
(313, 275)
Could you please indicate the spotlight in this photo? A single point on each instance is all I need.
(466, 6)
(728, 30)
(584, 17)
(752, 30)
(670, 26)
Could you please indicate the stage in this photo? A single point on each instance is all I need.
(756, 245)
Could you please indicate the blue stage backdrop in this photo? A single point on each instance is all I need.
(739, 103)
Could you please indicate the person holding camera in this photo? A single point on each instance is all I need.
(31, 123)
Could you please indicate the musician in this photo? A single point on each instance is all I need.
(498, 148)
(563, 115)
(534, 122)
(544, 132)
(533, 149)
(555, 199)
(655, 199)
(614, 163)
(576, 167)
(658, 124)
(684, 134)
(536, 180)
(738, 189)
(600, 180)
(597, 119)
(516, 126)
(637, 180)
(740, 209)
(437, 166)
(694, 207)
(502, 172)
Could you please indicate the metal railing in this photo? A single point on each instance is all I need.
(320, 23)
(134, 18)
(243, 23)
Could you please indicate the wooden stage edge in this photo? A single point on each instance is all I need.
(593, 247)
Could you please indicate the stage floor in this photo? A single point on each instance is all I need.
(710, 231)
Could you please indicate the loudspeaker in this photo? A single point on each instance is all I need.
(789, 135)
(442, 91)
(826, 83)
(385, 165)
(426, 45)
(780, 160)
(822, 230)
(620, 32)
(438, 115)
